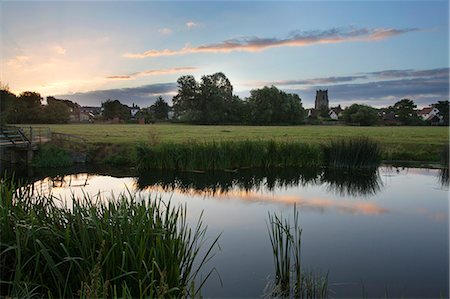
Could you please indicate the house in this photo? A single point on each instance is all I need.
(134, 110)
(335, 112)
(88, 113)
(390, 119)
(429, 114)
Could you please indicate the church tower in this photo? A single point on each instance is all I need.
(321, 99)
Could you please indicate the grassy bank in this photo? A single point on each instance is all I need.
(397, 143)
(125, 247)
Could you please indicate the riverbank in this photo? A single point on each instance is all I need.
(116, 144)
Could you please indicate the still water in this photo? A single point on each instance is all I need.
(376, 234)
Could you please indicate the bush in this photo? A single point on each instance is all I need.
(50, 155)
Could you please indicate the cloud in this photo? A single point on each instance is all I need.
(142, 95)
(60, 50)
(378, 88)
(18, 60)
(191, 24)
(326, 80)
(295, 39)
(422, 90)
(165, 31)
(154, 72)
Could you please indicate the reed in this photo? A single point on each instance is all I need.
(98, 248)
(352, 153)
(290, 278)
(226, 155)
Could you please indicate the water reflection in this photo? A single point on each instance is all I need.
(358, 183)
(444, 177)
(362, 183)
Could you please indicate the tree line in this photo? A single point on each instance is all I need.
(211, 101)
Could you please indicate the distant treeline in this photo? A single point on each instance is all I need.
(211, 101)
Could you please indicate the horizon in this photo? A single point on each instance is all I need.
(372, 53)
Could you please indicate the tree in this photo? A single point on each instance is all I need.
(270, 105)
(443, 107)
(160, 109)
(405, 110)
(56, 111)
(361, 114)
(185, 103)
(8, 106)
(29, 108)
(113, 109)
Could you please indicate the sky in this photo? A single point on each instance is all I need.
(368, 52)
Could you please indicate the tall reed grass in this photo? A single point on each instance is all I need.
(226, 155)
(290, 279)
(125, 247)
(352, 153)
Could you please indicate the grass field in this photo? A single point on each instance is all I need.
(398, 143)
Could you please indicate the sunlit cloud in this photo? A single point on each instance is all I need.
(60, 50)
(17, 60)
(153, 73)
(295, 39)
(165, 31)
(191, 24)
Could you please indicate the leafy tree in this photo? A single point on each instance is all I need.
(216, 95)
(361, 114)
(185, 103)
(443, 107)
(8, 106)
(160, 109)
(29, 108)
(271, 105)
(56, 111)
(405, 109)
(113, 109)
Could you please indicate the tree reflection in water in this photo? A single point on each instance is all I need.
(358, 183)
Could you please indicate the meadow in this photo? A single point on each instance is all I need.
(397, 143)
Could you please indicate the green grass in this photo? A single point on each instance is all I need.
(397, 143)
(97, 248)
(50, 155)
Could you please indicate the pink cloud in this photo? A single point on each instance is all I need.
(297, 39)
(153, 73)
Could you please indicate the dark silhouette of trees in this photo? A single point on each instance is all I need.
(443, 107)
(160, 109)
(405, 110)
(115, 109)
(8, 106)
(29, 107)
(361, 114)
(269, 105)
(56, 111)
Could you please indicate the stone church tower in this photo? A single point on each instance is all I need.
(321, 99)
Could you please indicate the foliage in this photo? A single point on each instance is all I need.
(405, 109)
(8, 106)
(210, 101)
(56, 111)
(271, 105)
(113, 109)
(443, 107)
(50, 155)
(97, 247)
(361, 114)
(159, 111)
(352, 153)
(226, 155)
(290, 279)
(29, 108)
